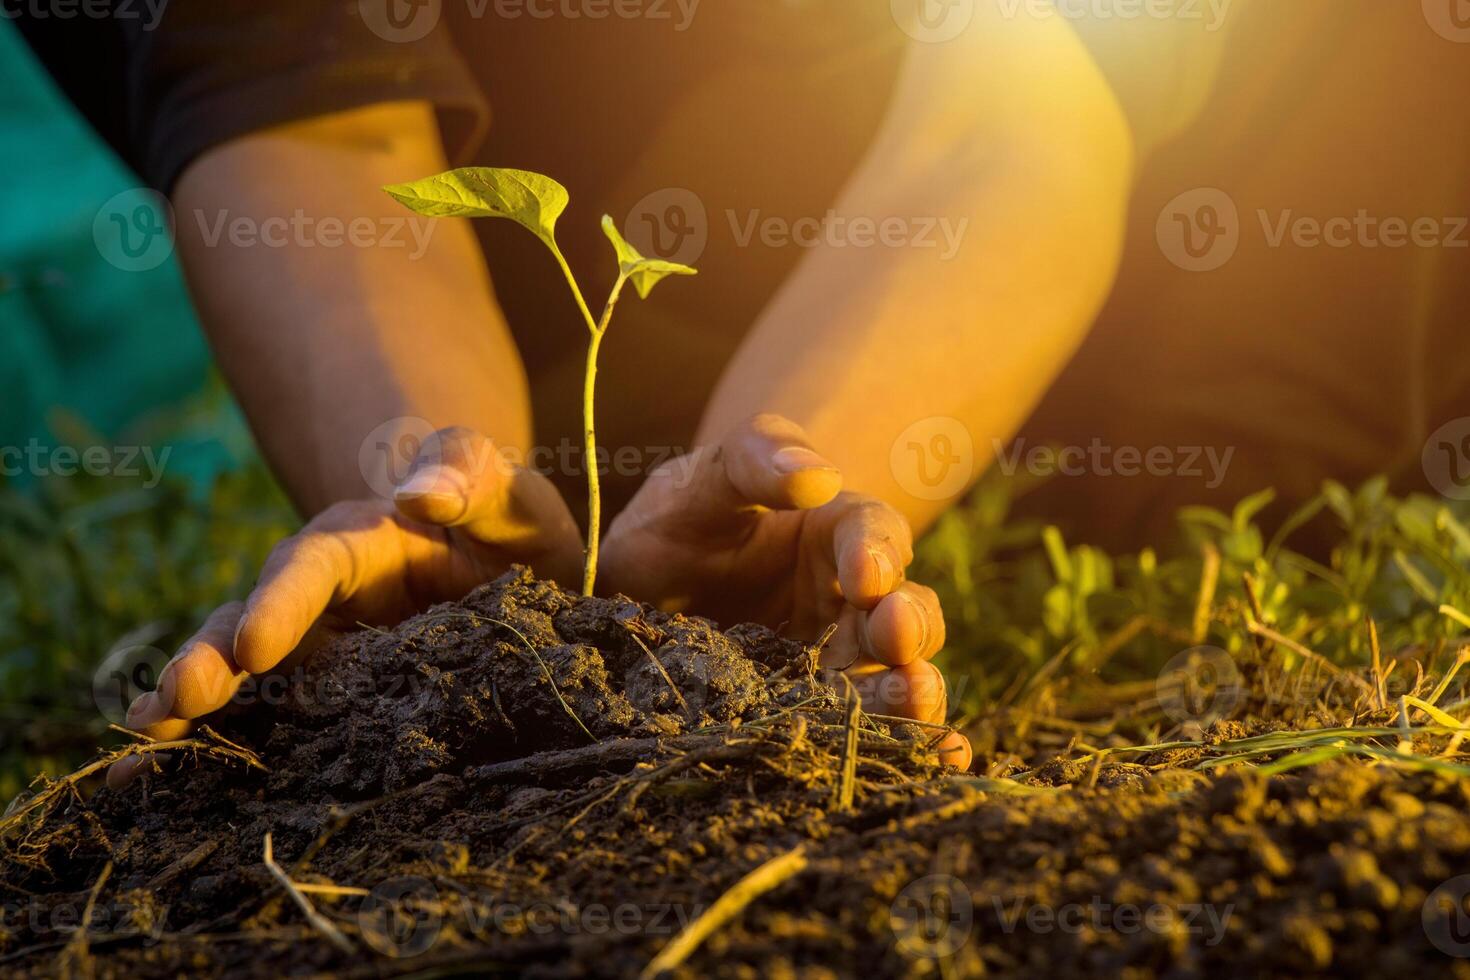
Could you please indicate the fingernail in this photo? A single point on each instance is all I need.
(885, 569)
(918, 610)
(794, 459)
(145, 711)
(435, 482)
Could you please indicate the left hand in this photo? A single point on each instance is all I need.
(758, 529)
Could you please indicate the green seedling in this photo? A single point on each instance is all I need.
(535, 203)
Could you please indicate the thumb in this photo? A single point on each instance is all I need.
(766, 462)
(462, 479)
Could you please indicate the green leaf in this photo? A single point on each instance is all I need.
(1247, 509)
(531, 200)
(644, 273)
(1056, 551)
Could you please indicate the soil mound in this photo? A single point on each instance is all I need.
(534, 783)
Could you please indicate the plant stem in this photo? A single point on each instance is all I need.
(566, 270)
(589, 446)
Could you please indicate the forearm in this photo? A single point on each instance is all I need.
(326, 332)
(864, 342)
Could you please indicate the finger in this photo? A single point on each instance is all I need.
(203, 675)
(871, 546)
(148, 716)
(457, 475)
(301, 577)
(954, 750)
(913, 690)
(765, 462)
(462, 479)
(906, 625)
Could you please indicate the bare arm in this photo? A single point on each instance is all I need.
(1011, 129)
(325, 332)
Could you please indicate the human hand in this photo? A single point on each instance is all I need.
(758, 529)
(462, 516)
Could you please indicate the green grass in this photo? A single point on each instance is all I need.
(92, 563)
(1050, 642)
(1044, 632)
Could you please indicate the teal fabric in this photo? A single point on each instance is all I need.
(79, 336)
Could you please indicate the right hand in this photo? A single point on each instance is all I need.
(461, 517)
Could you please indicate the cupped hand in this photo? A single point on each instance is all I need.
(461, 516)
(757, 528)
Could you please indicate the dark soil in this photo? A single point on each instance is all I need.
(538, 784)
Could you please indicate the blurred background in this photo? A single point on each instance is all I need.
(96, 357)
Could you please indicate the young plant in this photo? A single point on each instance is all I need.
(535, 202)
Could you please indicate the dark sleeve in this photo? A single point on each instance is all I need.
(165, 80)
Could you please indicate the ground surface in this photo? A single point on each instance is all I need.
(543, 785)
